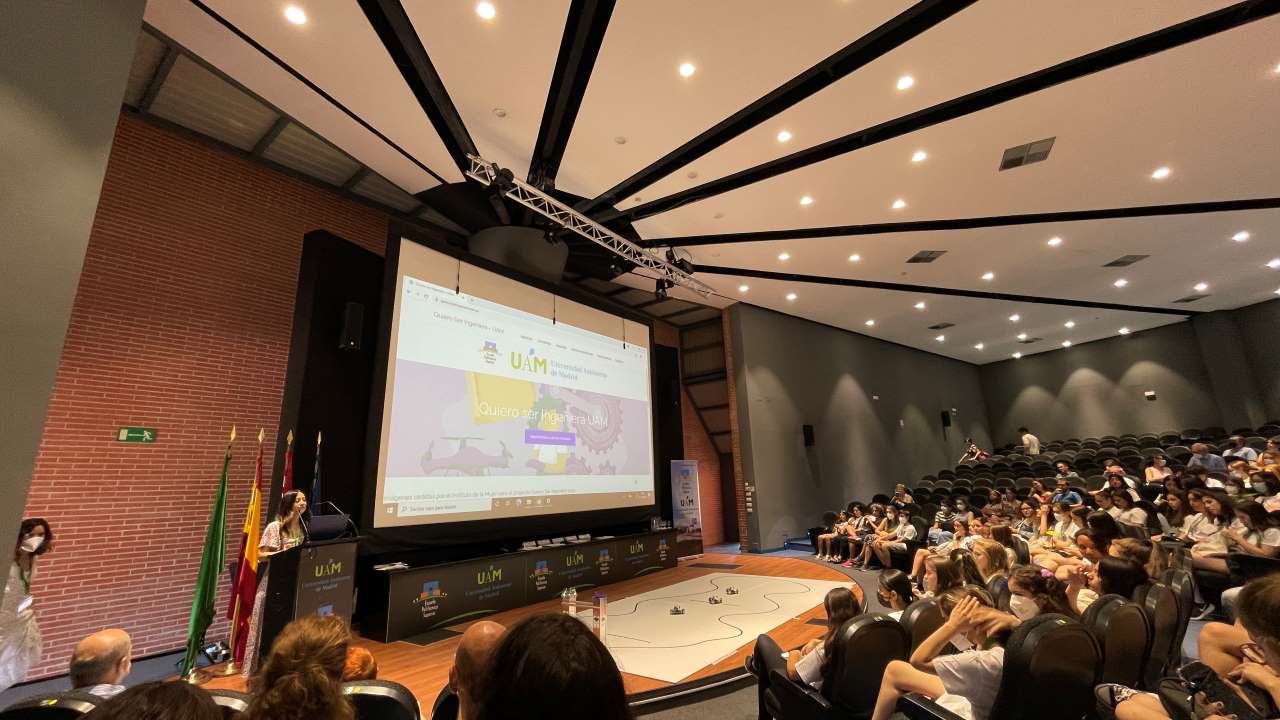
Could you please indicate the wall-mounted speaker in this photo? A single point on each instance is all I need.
(351, 336)
(946, 419)
(808, 435)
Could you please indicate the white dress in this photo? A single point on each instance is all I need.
(19, 635)
(274, 539)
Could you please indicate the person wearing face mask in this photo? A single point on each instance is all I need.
(887, 532)
(1237, 449)
(962, 510)
(20, 642)
(1267, 487)
(895, 592)
(1034, 590)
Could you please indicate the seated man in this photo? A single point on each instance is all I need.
(1238, 450)
(101, 662)
(1065, 494)
(469, 661)
(1202, 458)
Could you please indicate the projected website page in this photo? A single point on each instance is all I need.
(496, 412)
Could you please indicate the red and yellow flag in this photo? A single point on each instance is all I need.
(245, 586)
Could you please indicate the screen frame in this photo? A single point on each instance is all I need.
(497, 530)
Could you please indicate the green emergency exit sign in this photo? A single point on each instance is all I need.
(136, 435)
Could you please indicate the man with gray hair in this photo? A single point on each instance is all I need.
(101, 662)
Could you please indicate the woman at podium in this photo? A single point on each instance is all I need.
(282, 533)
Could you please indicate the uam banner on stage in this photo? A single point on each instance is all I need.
(685, 509)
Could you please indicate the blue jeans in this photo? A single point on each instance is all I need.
(937, 536)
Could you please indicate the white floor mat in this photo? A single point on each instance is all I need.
(646, 639)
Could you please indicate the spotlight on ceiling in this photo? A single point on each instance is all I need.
(1015, 317)
(870, 323)
(1017, 356)
(1066, 343)
(295, 15)
(783, 136)
(1069, 324)
(1274, 264)
(1124, 331)
(791, 296)
(784, 256)
(855, 257)
(743, 288)
(941, 338)
(979, 346)
(905, 82)
(1241, 236)
(920, 305)
(1200, 286)
(919, 156)
(1160, 173)
(1055, 241)
(806, 200)
(486, 10)
(988, 276)
(687, 69)
(899, 204)
(1022, 336)
(1120, 283)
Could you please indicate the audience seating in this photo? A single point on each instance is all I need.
(998, 587)
(902, 559)
(920, 619)
(1160, 604)
(382, 700)
(446, 705)
(233, 703)
(870, 642)
(52, 706)
(1184, 590)
(1051, 664)
(1124, 636)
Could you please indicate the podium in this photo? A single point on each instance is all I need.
(314, 578)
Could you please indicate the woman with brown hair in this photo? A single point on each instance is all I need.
(302, 677)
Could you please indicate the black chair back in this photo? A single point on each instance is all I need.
(1160, 604)
(920, 619)
(1124, 634)
(381, 700)
(233, 704)
(998, 588)
(446, 705)
(867, 643)
(52, 706)
(1048, 651)
(1184, 589)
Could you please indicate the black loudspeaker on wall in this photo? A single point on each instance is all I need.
(352, 333)
(946, 419)
(808, 435)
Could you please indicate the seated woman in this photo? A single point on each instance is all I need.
(1129, 513)
(1003, 534)
(1248, 689)
(1171, 513)
(1034, 590)
(809, 664)
(990, 558)
(940, 531)
(1109, 576)
(854, 528)
(1266, 486)
(1028, 523)
(883, 548)
(824, 539)
(1086, 550)
(1251, 534)
(869, 528)
(1056, 534)
(1158, 470)
(302, 677)
(885, 531)
(1150, 555)
(1218, 515)
(969, 572)
(941, 574)
(1195, 525)
(1042, 494)
(960, 538)
(965, 683)
(895, 592)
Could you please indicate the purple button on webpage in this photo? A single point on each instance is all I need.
(549, 437)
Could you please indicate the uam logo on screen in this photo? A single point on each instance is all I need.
(529, 363)
(489, 352)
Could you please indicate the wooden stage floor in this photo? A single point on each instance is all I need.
(425, 669)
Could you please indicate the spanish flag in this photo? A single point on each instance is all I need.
(245, 586)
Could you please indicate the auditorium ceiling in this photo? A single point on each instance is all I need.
(800, 154)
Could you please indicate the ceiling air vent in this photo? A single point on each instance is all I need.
(1192, 298)
(1029, 340)
(942, 326)
(1026, 154)
(926, 256)
(1126, 260)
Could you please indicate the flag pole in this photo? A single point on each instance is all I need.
(232, 666)
(207, 577)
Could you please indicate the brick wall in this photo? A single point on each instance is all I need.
(181, 323)
(697, 446)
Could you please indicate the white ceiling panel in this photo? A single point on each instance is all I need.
(198, 99)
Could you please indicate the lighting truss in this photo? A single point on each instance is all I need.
(490, 175)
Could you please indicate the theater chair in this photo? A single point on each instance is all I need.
(52, 706)
(381, 700)
(1184, 589)
(1160, 604)
(446, 705)
(998, 588)
(902, 560)
(1123, 634)
(920, 619)
(233, 703)
(869, 643)
(1050, 667)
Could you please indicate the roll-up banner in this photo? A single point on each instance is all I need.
(685, 508)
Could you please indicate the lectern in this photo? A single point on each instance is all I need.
(314, 578)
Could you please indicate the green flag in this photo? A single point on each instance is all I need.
(211, 562)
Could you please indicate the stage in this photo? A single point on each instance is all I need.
(775, 595)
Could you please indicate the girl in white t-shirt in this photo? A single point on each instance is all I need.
(1129, 513)
(898, 541)
(1250, 533)
(809, 663)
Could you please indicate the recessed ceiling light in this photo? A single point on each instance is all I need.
(1123, 331)
(920, 305)
(1055, 241)
(743, 288)
(486, 10)
(791, 296)
(1160, 173)
(1120, 283)
(919, 156)
(905, 82)
(941, 338)
(784, 256)
(870, 323)
(1274, 263)
(1015, 317)
(1241, 236)
(1022, 336)
(1278, 291)
(1200, 287)
(978, 346)
(1066, 343)
(1276, 69)
(899, 204)
(783, 135)
(855, 257)
(295, 15)
(1069, 324)
(687, 69)
(1017, 356)
(988, 276)
(806, 200)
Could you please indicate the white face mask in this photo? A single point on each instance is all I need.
(32, 543)
(1023, 608)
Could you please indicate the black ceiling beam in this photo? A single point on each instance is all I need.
(398, 36)
(967, 223)
(933, 290)
(314, 88)
(898, 30)
(270, 136)
(163, 68)
(1104, 59)
(584, 30)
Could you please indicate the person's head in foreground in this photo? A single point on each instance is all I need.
(1034, 590)
(159, 700)
(470, 661)
(549, 667)
(1258, 608)
(360, 665)
(301, 677)
(101, 662)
